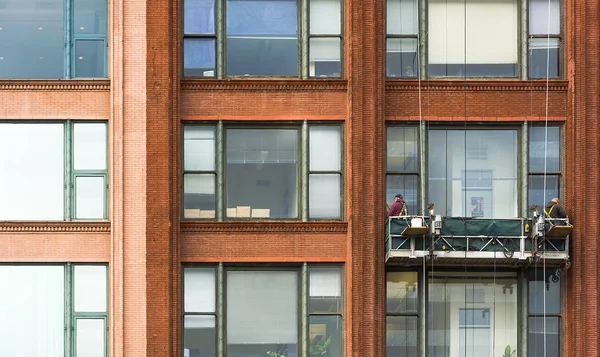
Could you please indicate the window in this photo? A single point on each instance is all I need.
(402, 37)
(472, 313)
(473, 173)
(544, 38)
(403, 166)
(262, 38)
(262, 172)
(39, 319)
(262, 311)
(53, 39)
(402, 314)
(544, 312)
(544, 165)
(62, 177)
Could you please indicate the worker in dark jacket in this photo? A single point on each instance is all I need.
(399, 207)
(554, 209)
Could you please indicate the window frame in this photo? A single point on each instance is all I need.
(220, 37)
(303, 172)
(419, 313)
(558, 174)
(69, 173)
(416, 37)
(417, 173)
(544, 315)
(559, 36)
(303, 300)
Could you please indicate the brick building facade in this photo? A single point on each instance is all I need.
(145, 241)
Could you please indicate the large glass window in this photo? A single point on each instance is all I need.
(402, 36)
(402, 176)
(489, 48)
(473, 313)
(544, 165)
(544, 338)
(473, 173)
(39, 318)
(35, 41)
(402, 314)
(262, 315)
(40, 179)
(544, 38)
(262, 172)
(262, 38)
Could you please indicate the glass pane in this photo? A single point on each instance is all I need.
(402, 292)
(325, 17)
(90, 58)
(486, 186)
(325, 148)
(544, 149)
(89, 197)
(32, 166)
(402, 149)
(324, 336)
(31, 39)
(199, 148)
(262, 172)
(402, 17)
(199, 199)
(401, 57)
(199, 285)
(324, 196)
(199, 17)
(325, 294)
(544, 330)
(491, 48)
(199, 336)
(199, 57)
(90, 338)
(544, 286)
(536, 190)
(325, 57)
(90, 288)
(262, 37)
(407, 186)
(401, 336)
(262, 313)
(89, 141)
(544, 17)
(35, 310)
(90, 17)
(476, 312)
(544, 57)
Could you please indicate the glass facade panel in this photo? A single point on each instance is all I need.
(325, 148)
(35, 308)
(199, 17)
(544, 149)
(89, 146)
(544, 17)
(33, 170)
(262, 38)
(325, 295)
(401, 57)
(90, 17)
(402, 292)
(401, 336)
(537, 188)
(200, 285)
(90, 288)
(199, 57)
(407, 186)
(473, 173)
(402, 149)
(262, 315)
(324, 336)
(544, 291)
(324, 196)
(325, 57)
(402, 17)
(544, 337)
(199, 148)
(544, 57)
(474, 313)
(199, 336)
(325, 17)
(90, 338)
(262, 171)
(89, 197)
(89, 58)
(199, 195)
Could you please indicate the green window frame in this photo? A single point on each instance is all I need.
(403, 313)
(544, 313)
(319, 46)
(77, 41)
(204, 171)
(75, 175)
(84, 300)
(403, 166)
(553, 165)
(319, 308)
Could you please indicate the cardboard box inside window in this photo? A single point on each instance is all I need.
(261, 213)
(207, 213)
(191, 213)
(232, 212)
(243, 211)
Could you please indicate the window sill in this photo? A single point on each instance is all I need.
(54, 227)
(55, 84)
(264, 227)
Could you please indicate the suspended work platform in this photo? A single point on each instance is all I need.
(411, 240)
